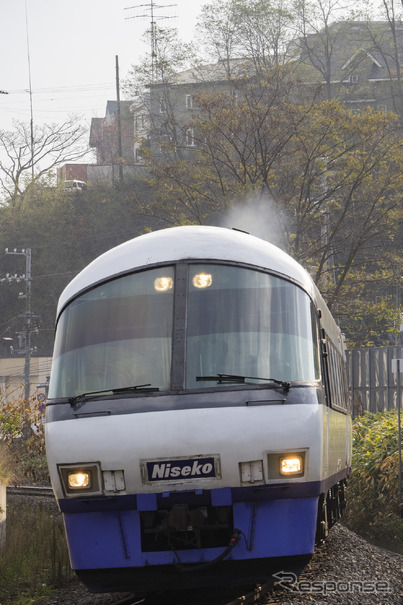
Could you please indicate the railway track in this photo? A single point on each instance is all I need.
(30, 490)
(254, 596)
(131, 600)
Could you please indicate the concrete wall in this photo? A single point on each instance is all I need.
(98, 175)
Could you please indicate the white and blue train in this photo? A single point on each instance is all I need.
(197, 424)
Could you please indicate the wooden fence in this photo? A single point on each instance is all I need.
(372, 384)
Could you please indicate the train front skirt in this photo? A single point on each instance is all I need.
(106, 539)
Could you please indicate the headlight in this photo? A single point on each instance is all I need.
(287, 465)
(80, 479)
(291, 465)
(163, 284)
(202, 280)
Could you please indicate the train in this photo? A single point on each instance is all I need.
(198, 424)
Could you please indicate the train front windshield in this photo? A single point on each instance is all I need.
(236, 320)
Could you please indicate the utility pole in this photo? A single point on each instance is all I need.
(27, 315)
(120, 150)
(30, 94)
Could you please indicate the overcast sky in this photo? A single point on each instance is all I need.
(73, 44)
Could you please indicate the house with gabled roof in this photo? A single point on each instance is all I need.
(104, 134)
(116, 148)
(359, 62)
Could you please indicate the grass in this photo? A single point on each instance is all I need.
(35, 558)
(372, 492)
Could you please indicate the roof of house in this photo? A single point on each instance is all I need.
(354, 46)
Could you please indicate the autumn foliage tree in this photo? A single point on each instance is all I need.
(22, 442)
(331, 178)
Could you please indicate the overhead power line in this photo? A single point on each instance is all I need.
(63, 89)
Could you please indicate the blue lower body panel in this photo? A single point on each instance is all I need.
(269, 528)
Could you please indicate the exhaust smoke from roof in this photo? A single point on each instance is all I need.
(259, 216)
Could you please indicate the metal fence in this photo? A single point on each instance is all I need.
(372, 384)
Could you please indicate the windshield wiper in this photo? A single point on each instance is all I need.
(139, 387)
(236, 379)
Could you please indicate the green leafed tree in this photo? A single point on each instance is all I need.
(65, 231)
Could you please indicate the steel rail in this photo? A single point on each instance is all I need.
(130, 600)
(30, 490)
(254, 596)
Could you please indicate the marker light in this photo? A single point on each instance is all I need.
(79, 480)
(163, 284)
(291, 465)
(202, 280)
(251, 471)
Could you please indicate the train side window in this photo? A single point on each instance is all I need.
(337, 377)
(325, 366)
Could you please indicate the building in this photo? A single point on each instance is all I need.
(106, 139)
(171, 105)
(70, 172)
(359, 62)
(12, 376)
(117, 150)
(356, 62)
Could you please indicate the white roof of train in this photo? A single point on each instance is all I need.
(189, 242)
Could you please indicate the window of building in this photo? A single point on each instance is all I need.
(190, 138)
(140, 121)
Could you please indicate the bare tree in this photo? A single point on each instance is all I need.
(318, 37)
(257, 30)
(386, 38)
(53, 145)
